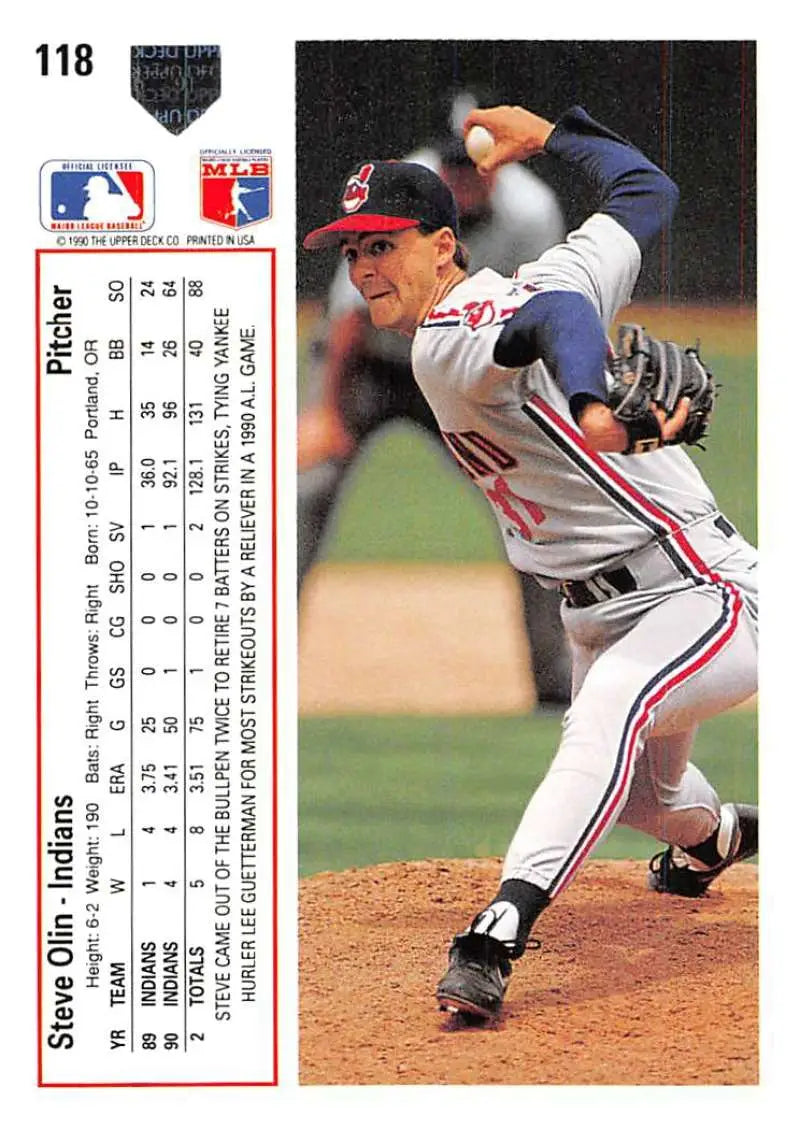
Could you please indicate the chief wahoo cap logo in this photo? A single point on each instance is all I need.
(357, 189)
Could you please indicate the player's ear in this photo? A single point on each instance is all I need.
(445, 243)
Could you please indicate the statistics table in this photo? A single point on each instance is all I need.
(157, 760)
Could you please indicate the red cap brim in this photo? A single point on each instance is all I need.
(331, 234)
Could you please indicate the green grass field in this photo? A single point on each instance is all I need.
(374, 790)
(380, 789)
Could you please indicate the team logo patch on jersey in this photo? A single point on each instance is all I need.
(96, 195)
(236, 188)
(477, 314)
(356, 191)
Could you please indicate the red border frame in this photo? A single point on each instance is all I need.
(274, 606)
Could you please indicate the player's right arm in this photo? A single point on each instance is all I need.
(518, 134)
(635, 192)
(602, 258)
(584, 281)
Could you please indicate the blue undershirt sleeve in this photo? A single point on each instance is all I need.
(563, 329)
(636, 193)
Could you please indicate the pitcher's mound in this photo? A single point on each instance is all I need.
(629, 987)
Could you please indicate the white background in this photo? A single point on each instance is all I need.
(73, 117)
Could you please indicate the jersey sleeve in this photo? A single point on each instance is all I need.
(561, 328)
(599, 260)
(602, 259)
(456, 359)
(634, 191)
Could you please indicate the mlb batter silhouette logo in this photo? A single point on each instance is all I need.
(236, 190)
(76, 195)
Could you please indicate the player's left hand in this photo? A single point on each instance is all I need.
(603, 431)
(672, 426)
(662, 394)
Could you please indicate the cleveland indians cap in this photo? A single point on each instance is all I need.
(388, 196)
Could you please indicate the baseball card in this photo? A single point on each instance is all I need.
(385, 456)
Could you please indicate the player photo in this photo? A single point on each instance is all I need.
(527, 574)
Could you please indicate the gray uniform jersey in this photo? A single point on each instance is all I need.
(564, 511)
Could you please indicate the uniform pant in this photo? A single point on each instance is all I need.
(649, 667)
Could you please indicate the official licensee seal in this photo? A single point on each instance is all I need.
(236, 186)
(96, 195)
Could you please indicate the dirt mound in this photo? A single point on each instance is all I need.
(629, 987)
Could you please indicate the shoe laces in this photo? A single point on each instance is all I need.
(516, 951)
(477, 948)
(662, 861)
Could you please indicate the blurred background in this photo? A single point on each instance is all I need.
(690, 106)
(421, 733)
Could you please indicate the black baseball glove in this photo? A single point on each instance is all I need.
(646, 372)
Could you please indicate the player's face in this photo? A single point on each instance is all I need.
(396, 274)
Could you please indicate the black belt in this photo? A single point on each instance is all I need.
(723, 524)
(616, 582)
(602, 586)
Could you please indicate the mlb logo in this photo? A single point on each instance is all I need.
(96, 195)
(236, 188)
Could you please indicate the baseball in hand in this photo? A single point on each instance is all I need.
(478, 143)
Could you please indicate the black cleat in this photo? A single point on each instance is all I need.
(477, 976)
(675, 872)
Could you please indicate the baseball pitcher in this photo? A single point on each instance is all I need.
(576, 447)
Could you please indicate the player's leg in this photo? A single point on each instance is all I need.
(671, 800)
(691, 656)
